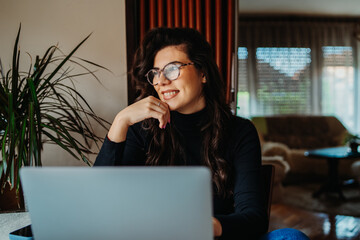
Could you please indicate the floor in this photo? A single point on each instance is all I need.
(315, 225)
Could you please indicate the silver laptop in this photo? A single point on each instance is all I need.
(130, 203)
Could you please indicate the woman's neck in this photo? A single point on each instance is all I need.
(191, 121)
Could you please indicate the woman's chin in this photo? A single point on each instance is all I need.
(172, 108)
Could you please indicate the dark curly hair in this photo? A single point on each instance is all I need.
(214, 131)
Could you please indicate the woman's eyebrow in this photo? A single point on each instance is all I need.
(175, 62)
(157, 68)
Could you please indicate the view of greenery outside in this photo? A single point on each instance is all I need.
(282, 83)
(243, 99)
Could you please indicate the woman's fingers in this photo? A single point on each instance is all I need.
(160, 111)
(163, 108)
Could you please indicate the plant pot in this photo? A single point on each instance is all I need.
(354, 146)
(10, 201)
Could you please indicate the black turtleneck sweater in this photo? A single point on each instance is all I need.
(243, 215)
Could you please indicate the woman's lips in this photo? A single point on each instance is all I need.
(170, 94)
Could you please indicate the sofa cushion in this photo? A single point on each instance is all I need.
(302, 131)
(276, 149)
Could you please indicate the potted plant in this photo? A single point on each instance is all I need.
(353, 142)
(41, 105)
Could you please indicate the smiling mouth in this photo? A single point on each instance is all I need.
(170, 94)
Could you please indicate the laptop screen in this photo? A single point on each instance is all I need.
(119, 202)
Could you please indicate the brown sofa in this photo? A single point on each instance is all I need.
(290, 136)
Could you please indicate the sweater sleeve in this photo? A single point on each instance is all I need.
(129, 152)
(249, 219)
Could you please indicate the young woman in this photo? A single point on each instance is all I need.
(181, 118)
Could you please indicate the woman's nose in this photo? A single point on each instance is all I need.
(163, 80)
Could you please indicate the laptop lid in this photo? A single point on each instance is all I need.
(132, 203)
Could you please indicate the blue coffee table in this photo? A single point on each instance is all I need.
(333, 156)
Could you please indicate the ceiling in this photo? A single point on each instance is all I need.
(344, 8)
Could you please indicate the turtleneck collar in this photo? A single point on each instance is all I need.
(188, 121)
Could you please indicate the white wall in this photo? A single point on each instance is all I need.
(67, 22)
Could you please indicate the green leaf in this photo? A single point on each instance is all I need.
(36, 109)
(12, 140)
(22, 157)
(63, 146)
(15, 66)
(64, 61)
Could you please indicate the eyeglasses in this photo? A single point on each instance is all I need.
(171, 72)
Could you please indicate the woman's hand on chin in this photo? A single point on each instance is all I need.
(149, 107)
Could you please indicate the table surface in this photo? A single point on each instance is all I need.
(12, 221)
(335, 152)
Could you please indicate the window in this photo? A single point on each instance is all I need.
(300, 69)
(283, 81)
(243, 96)
(338, 84)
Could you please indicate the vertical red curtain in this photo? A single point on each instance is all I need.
(213, 18)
